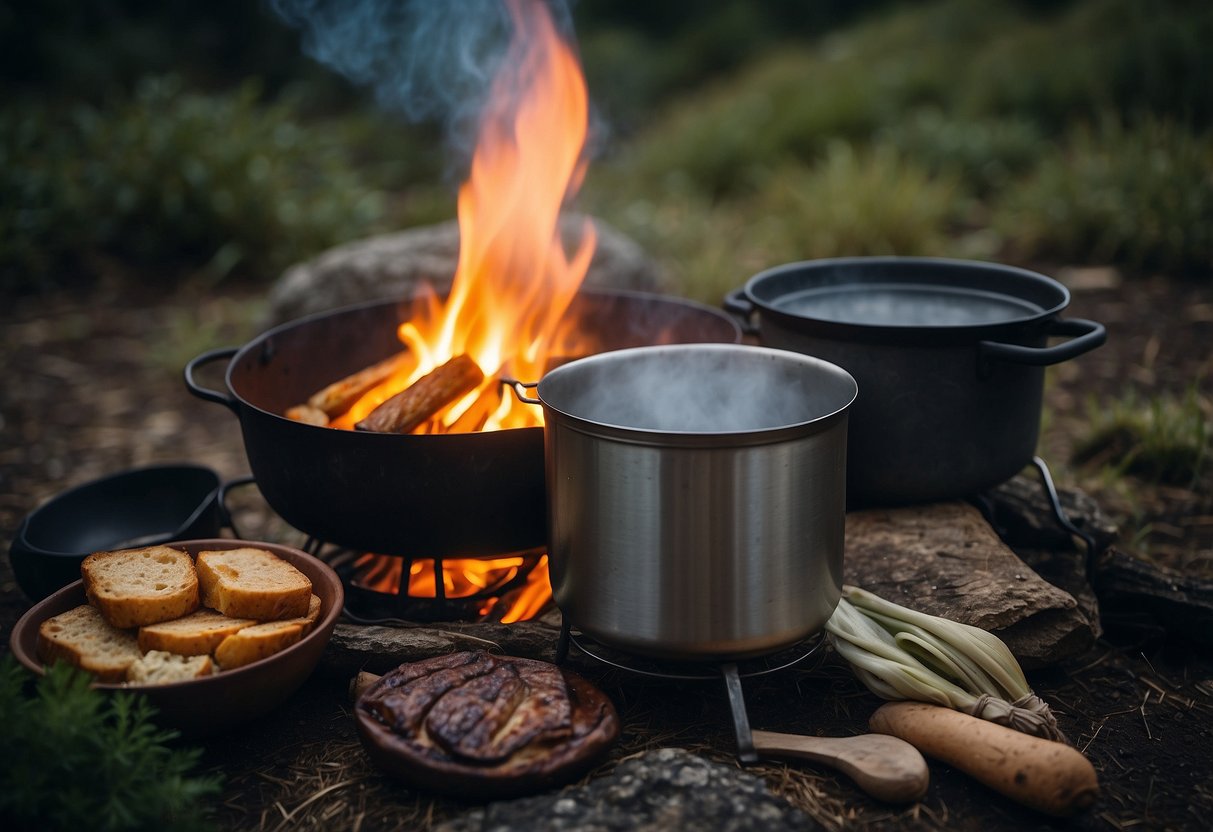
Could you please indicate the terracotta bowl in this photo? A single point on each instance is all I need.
(229, 697)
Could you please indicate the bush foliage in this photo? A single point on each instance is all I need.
(1067, 129)
(172, 180)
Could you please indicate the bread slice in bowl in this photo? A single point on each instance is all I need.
(83, 638)
(252, 583)
(197, 634)
(134, 587)
(257, 642)
(158, 667)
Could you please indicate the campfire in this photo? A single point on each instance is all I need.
(505, 313)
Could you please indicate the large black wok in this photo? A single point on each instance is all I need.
(427, 496)
(949, 356)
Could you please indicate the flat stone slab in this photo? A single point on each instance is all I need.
(658, 790)
(944, 559)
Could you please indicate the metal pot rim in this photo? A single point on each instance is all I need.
(894, 269)
(692, 438)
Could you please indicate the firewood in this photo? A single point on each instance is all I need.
(425, 397)
(308, 415)
(340, 396)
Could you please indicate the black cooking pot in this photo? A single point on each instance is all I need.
(140, 507)
(467, 494)
(949, 356)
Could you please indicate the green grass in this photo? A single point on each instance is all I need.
(852, 200)
(1161, 439)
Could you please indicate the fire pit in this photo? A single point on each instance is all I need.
(441, 495)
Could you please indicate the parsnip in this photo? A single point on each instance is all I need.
(1048, 776)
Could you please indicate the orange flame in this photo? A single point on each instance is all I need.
(514, 281)
(464, 577)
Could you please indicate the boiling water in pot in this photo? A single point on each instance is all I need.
(696, 391)
(905, 305)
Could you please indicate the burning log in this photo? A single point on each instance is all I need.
(308, 415)
(428, 395)
(339, 396)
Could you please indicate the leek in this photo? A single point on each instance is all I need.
(900, 653)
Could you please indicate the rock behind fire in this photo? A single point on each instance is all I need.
(393, 265)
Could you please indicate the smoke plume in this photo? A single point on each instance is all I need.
(432, 60)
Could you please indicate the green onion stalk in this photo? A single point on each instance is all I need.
(900, 653)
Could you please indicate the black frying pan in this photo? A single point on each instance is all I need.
(140, 507)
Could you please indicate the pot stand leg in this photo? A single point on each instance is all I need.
(1059, 514)
(562, 642)
(741, 720)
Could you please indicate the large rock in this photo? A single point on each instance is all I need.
(392, 265)
(666, 789)
(945, 559)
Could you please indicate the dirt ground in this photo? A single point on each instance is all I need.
(93, 386)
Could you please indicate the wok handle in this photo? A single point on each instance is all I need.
(1087, 336)
(205, 392)
(518, 386)
(740, 307)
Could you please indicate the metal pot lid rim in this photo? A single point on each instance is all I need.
(698, 438)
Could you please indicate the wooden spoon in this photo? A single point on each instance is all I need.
(885, 767)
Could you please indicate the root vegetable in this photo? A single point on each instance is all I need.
(1048, 776)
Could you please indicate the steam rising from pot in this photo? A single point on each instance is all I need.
(698, 388)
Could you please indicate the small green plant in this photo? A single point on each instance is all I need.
(75, 758)
(1163, 439)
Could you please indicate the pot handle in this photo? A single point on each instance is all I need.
(740, 307)
(205, 392)
(225, 512)
(1087, 336)
(518, 386)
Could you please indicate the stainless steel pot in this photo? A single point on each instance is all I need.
(696, 496)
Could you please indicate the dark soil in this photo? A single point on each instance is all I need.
(93, 386)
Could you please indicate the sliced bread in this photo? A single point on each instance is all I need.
(197, 634)
(82, 637)
(309, 620)
(257, 642)
(158, 667)
(134, 587)
(252, 583)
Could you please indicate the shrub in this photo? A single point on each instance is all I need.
(987, 153)
(77, 758)
(863, 202)
(1098, 55)
(173, 181)
(790, 103)
(1140, 197)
